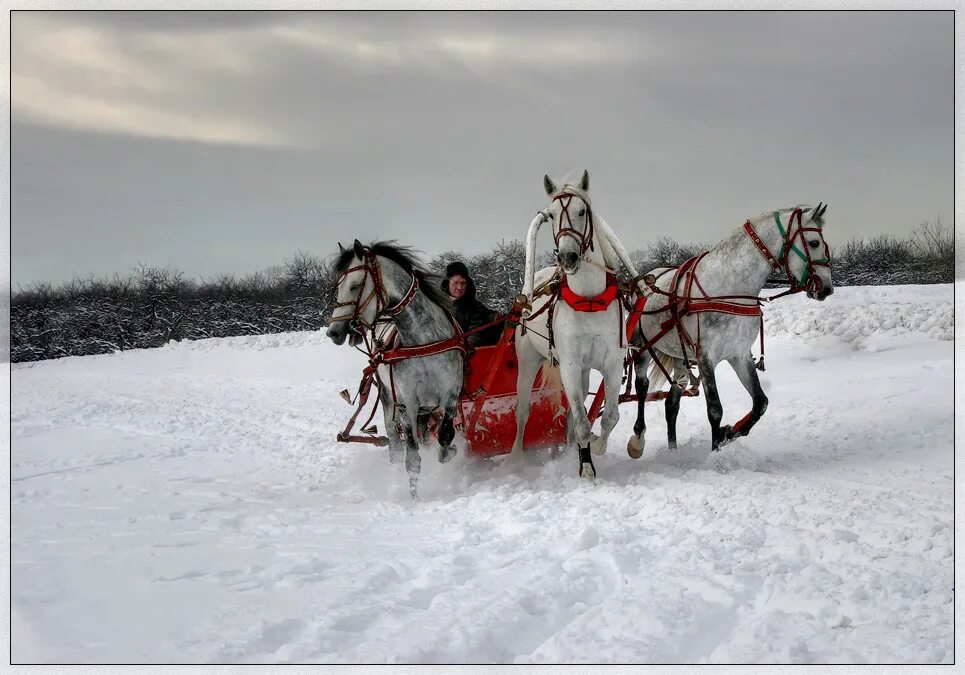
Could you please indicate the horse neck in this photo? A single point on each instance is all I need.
(590, 279)
(422, 321)
(736, 266)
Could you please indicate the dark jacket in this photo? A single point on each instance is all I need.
(470, 312)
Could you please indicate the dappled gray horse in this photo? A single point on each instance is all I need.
(715, 297)
(581, 325)
(423, 372)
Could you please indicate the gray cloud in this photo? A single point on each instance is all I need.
(223, 142)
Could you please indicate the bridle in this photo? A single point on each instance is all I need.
(584, 238)
(370, 265)
(809, 280)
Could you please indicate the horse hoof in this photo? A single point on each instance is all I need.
(635, 451)
(727, 436)
(596, 447)
(446, 454)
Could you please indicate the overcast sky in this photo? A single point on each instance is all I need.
(223, 143)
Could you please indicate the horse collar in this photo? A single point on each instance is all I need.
(597, 303)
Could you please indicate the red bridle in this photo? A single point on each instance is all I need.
(370, 265)
(584, 238)
(811, 281)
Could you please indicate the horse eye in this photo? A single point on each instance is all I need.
(814, 244)
(354, 287)
(582, 212)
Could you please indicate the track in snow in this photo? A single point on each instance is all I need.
(189, 504)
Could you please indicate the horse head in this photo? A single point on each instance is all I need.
(358, 294)
(807, 253)
(572, 219)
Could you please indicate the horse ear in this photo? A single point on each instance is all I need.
(822, 211)
(585, 181)
(549, 185)
(359, 252)
(341, 249)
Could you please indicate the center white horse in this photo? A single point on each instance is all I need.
(577, 319)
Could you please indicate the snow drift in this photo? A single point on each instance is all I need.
(190, 504)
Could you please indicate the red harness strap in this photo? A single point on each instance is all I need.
(749, 229)
(457, 341)
(598, 303)
(682, 304)
(697, 306)
(417, 351)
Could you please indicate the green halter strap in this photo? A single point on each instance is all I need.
(808, 262)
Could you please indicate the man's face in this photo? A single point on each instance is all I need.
(457, 286)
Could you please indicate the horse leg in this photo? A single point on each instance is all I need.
(529, 361)
(714, 409)
(747, 373)
(585, 386)
(672, 403)
(671, 408)
(423, 423)
(413, 461)
(447, 432)
(612, 380)
(396, 449)
(572, 380)
(641, 383)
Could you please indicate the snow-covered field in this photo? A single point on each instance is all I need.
(190, 504)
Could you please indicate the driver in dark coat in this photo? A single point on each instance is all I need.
(470, 312)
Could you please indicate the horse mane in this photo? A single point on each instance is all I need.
(406, 258)
(738, 233)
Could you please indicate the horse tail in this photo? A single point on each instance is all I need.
(552, 382)
(656, 374)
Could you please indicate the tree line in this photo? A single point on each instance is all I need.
(153, 305)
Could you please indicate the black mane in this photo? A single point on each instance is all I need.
(406, 258)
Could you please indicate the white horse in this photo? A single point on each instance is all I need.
(725, 326)
(583, 316)
(384, 280)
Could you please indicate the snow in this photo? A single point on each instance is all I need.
(190, 504)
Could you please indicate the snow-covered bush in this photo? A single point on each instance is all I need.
(156, 305)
